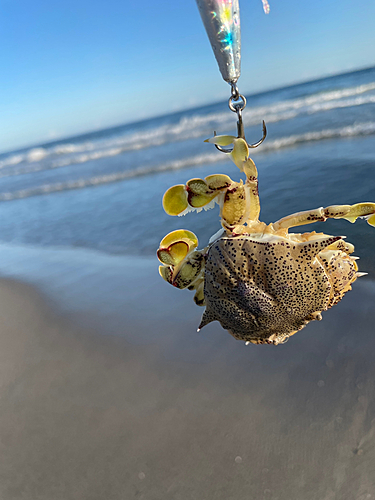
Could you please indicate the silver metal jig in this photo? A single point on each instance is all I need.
(221, 20)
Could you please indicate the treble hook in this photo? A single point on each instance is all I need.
(240, 128)
(242, 136)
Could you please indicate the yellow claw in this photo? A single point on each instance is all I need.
(175, 246)
(240, 151)
(221, 140)
(196, 194)
(175, 200)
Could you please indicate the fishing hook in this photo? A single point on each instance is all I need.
(237, 108)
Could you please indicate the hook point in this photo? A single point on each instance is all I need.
(262, 139)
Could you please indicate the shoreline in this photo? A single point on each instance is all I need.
(108, 391)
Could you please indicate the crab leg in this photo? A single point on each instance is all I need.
(348, 212)
(251, 173)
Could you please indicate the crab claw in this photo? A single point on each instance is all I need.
(240, 151)
(175, 246)
(183, 264)
(195, 195)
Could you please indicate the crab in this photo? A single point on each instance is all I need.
(260, 282)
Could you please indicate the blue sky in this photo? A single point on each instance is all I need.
(78, 65)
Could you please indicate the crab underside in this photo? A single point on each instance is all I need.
(262, 283)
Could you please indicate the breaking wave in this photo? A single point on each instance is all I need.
(188, 127)
(360, 129)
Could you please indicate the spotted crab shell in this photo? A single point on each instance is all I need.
(264, 288)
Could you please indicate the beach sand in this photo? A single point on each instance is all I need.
(108, 392)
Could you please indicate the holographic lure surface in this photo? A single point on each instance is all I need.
(266, 6)
(221, 18)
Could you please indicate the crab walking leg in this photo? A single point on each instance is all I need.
(348, 212)
(251, 173)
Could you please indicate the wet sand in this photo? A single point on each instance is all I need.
(108, 392)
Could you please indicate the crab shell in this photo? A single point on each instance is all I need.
(264, 288)
(262, 283)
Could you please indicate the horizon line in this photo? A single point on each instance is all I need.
(81, 135)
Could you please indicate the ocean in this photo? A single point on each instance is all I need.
(103, 190)
(107, 388)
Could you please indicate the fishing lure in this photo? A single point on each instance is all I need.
(262, 283)
(266, 6)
